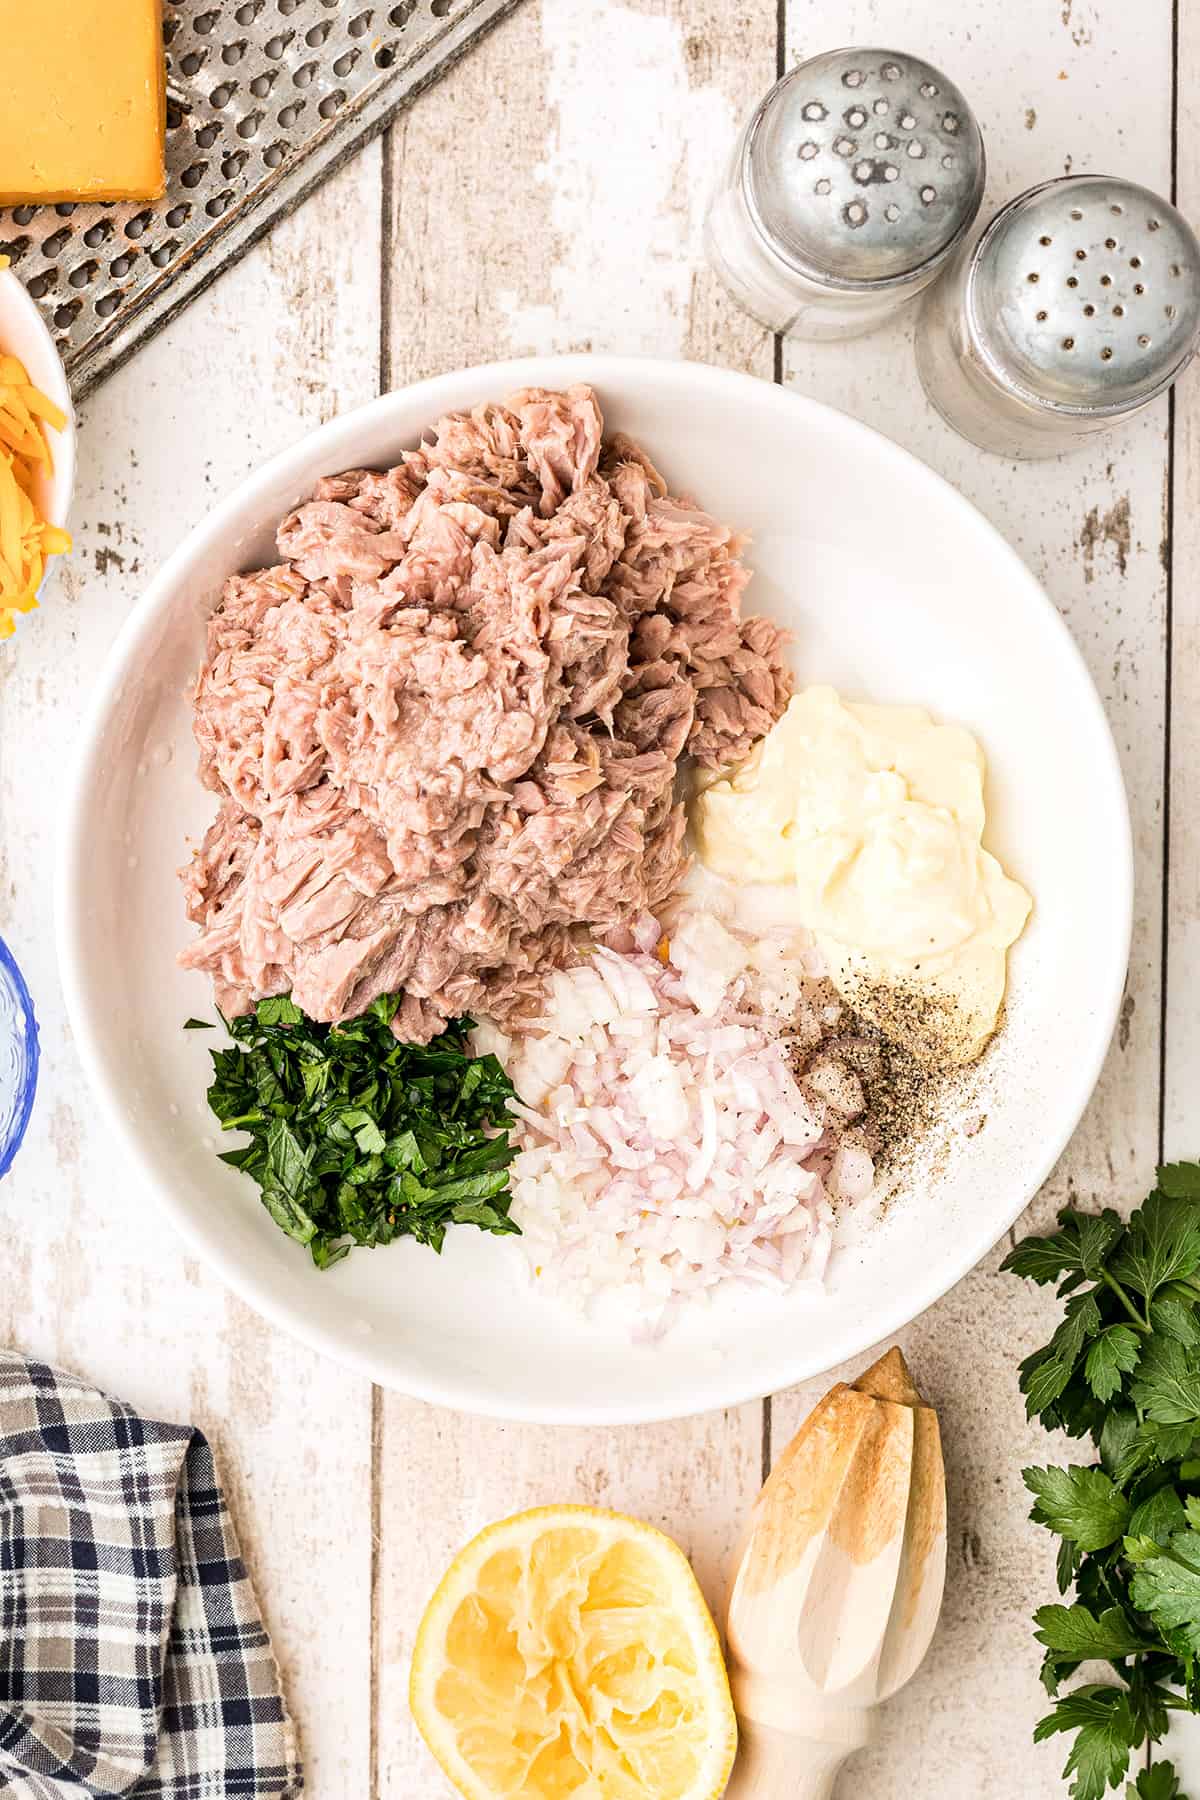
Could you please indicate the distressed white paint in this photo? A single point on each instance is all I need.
(631, 156)
(548, 194)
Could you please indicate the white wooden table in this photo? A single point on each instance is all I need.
(548, 195)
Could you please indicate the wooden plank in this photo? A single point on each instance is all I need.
(96, 1280)
(1181, 1047)
(579, 228)
(1056, 89)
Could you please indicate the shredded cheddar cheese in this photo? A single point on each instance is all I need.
(26, 538)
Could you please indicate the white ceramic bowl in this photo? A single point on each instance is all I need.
(895, 588)
(24, 334)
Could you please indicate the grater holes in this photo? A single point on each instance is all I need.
(1106, 354)
(15, 249)
(928, 196)
(1153, 225)
(274, 154)
(233, 164)
(233, 52)
(890, 172)
(248, 127)
(1089, 312)
(287, 7)
(261, 86)
(1076, 214)
(207, 136)
(278, 44)
(882, 141)
(1144, 341)
(1118, 312)
(163, 254)
(400, 15)
(951, 123)
(1045, 242)
(120, 266)
(65, 208)
(179, 215)
(176, 114)
(1135, 262)
(139, 224)
(891, 213)
(345, 62)
(385, 56)
(907, 122)
(315, 36)
(928, 91)
(40, 286)
(1042, 317)
(823, 187)
(812, 110)
(808, 150)
(66, 315)
(84, 273)
(844, 146)
(331, 102)
(55, 244)
(302, 77)
(855, 118)
(1139, 287)
(193, 62)
(892, 72)
(1033, 276)
(947, 162)
(1072, 281)
(193, 175)
(863, 172)
(220, 203)
(107, 305)
(359, 26)
(1068, 343)
(1106, 281)
(853, 78)
(1176, 270)
(1170, 311)
(1110, 243)
(439, 8)
(1081, 256)
(882, 108)
(290, 113)
(246, 14)
(1116, 209)
(220, 98)
(915, 149)
(204, 22)
(23, 215)
(169, 29)
(855, 214)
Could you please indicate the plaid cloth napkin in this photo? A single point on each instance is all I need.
(133, 1659)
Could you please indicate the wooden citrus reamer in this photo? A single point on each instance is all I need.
(838, 1583)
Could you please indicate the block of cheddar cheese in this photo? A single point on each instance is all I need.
(82, 100)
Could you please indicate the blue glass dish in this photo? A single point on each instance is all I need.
(18, 1058)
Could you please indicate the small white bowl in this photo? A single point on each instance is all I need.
(895, 588)
(24, 334)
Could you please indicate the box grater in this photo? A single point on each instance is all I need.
(265, 98)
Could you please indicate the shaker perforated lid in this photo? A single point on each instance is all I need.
(1084, 294)
(863, 166)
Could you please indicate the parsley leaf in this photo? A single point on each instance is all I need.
(1075, 1633)
(1079, 1504)
(1106, 1733)
(1158, 1782)
(1114, 1353)
(1167, 1388)
(1166, 1585)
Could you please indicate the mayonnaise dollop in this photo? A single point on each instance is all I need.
(875, 817)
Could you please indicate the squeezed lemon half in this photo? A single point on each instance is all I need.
(568, 1654)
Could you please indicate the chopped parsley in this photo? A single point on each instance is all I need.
(357, 1138)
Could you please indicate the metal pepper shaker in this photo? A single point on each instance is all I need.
(848, 191)
(1077, 307)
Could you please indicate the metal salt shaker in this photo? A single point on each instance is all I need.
(1077, 307)
(848, 192)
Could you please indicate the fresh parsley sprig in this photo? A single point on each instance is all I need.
(357, 1138)
(1123, 1370)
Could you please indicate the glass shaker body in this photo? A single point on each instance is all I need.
(1078, 306)
(846, 194)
